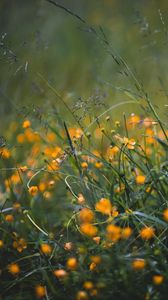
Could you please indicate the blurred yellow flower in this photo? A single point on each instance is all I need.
(88, 229)
(104, 206)
(146, 233)
(138, 264)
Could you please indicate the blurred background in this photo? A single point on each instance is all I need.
(44, 51)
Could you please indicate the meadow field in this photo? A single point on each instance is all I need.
(83, 150)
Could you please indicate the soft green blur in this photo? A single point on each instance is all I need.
(43, 47)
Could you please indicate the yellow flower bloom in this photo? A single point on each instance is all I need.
(40, 291)
(72, 263)
(61, 273)
(165, 214)
(33, 190)
(113, 232)
(88, 229)
(1, 244)
(46, 249)
(158, 279)
(84, 165)
(9, 218)
(104, 206)
(147, 233)
(26, 124)
(140, 179)
(126, 232)
(86, 215)
(14, 269)
(82, 295)
(88, 285)
(138, 264)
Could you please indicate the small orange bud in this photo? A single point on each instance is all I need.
(72, 263)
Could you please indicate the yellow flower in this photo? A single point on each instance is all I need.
(5, 153)
(126, 232)
(33, 190)
(20, 245)
(158, 279)
(1, 244)
(130, 143)
(165, 214)
(40, 291)
(92, 266)
(26, 124)
(96, 239)
(9, 218)
(138, 264)
(46, 249)
(20, 138)
(72, 263)
(104, 206)
(98, 164)
(96, 259)
(14, 269)
(88, 285)
(88, 229)
(86, 215)
(140, 179)
(82, 295)
(147, 233)
(61, 273)
(84, 165)
(113, 232)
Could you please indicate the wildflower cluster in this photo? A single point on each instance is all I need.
(91, 218)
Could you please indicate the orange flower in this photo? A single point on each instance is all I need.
(46, 249)
(86, 215)
(92, 266)
(126, 232)
(88, 229)
(133, 120)
(72, 263)
(60, 273)
(33, 190)
(149, 136)
(1, 244)
(14, 269)
(138, 264)
(165, 214)
(84, 165)
(113, 232)
(96, 259)
(147, 233)
(130, 143)
(104, 206)
(40, 291)
(20, 138)
(96, 239)
(26, 124)
(5, 153)
(98, 164)
(9, 218)
(16, 205)
(20, 245)
(82, 295)
(158, 279)
(140, 179)
(88, 285)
